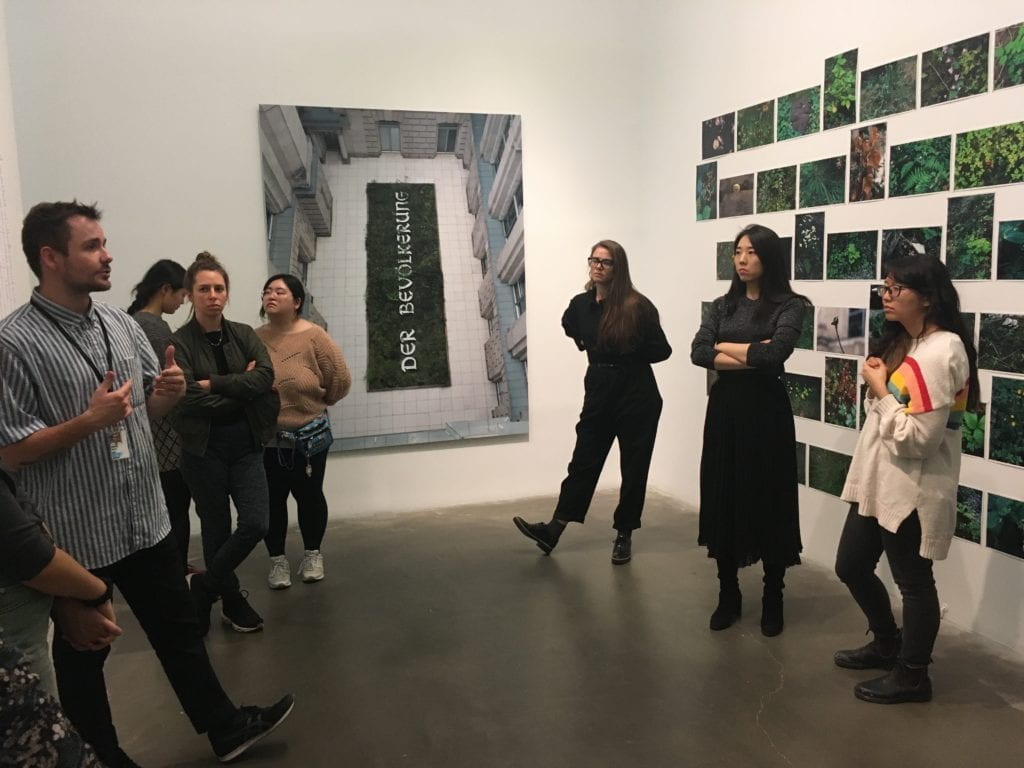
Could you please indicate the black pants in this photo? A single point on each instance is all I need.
(620, 403)
(286, 474)
(860, 548)
(178, 499)
(151, 582)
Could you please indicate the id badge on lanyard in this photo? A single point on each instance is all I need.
(119, 450)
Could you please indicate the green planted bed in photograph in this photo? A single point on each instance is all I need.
(755, 126)
(798, 113)
(1005, 529)
(972, 436)
(1010, 251)
(707, 191)
(840, 97)
(852, 256)
(827, 470)
(990, 156)
(776, 189)
(823, 182)
(724, 268)
(804, 395)
(920, 167)
(1006, 421)
(954, 71)
(1009, 57)
(809, 245)
(841, 392)
(969, 237)
(888, 89)
(968, 513)
(1001, 343)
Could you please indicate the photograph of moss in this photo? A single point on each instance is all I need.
(969, 237)
(717, 135)
(809, 246)
(888, 89)
(823, 182)
(954, 71)
(972, 436)
(929, 238)
(841, 392)
(1010, 251)
(840, 95)
(806, 340)
(1009, 57)
(776, 189)
(920, 167)
(801, 463)
(968, 514)
(852, 256)
(707, 191)
(1006, 421)
(1005, 529)
(840, 330)
(990, 156)
(736, 196)
(867, 163)
(798, 113)
(724, 269)
(755, 126)
(1001, 343)
(804, 395)
(827, 470)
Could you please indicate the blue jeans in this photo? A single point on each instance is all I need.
(25, 618)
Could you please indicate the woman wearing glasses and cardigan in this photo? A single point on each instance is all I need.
(619, 329)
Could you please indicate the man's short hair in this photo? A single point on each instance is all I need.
(47, 225)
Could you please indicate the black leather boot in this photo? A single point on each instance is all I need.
(771, 602)
(730, 601)
(881, 653)
(903, 684)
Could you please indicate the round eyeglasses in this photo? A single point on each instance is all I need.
(594, 261)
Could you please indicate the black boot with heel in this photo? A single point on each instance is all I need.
(771, 602)
(730, 601)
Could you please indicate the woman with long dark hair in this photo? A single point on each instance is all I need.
(619, 329)
(161, 292)
(748, 474)
(921, 375)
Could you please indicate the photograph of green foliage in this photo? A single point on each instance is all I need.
(1001, 343)
(852, 256)
(972, 442)
(990, 156)
(801, 463)
(736, 196)
(804, 395)
(867, 163)
(786, 246)
(1005, 530)
(776, 189)
(806, 340)
(968, 513)
(755, 126)
(876, 325)
(705, 311)
(968, 318)
(798, 114)
(828, 470)
(717, 136)
(840, 329)
(1006, 421)
(954, 71)
(724, 268)
(823, 182)
(1010, 252)
(920, 167)
(809, 260)
(928, 237)
(841, 392)
(888, 89)
(707, 191)
(1009, 58)
(840, 97)
(969, 237)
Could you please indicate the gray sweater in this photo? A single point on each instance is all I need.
(782, 326)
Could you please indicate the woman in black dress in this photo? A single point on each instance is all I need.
(619, 329)
(748, 482)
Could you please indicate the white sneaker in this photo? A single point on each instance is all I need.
(312, 568)
(280, 573)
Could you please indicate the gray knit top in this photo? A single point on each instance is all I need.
(782, 326)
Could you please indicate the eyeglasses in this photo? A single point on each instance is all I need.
(596, 262)
(893, 290)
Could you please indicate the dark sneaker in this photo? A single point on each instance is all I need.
(249, 726)
(237, 612)
(203, 601)
(541, 533)
(622, 550)
(880, 653)
(903, 684)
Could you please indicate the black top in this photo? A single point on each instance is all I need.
(581, 322)
(25, 544)
(782, 326)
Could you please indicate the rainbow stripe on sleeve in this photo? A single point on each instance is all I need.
(908, 386)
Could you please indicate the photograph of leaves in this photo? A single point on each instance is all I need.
(929, 237)
(828, 470)
(972, 439)
(1009, 57)
(755, 126)
(776, 189)
(809, 261)
(823, 182)
(867, 163)
(1006, 421)
(1010, 253)
(804, 395)
(723, 260)
(806, 340)
(801, 463)
(716, 135)
(968, 514)
(969, 237)
(736, 196)
(888, 89)
(954, 71)
(1005, 525)
(852, 256)
(798, 113)
(840, 98)
(841, 392)
(707, 191)
(990, 156)
(920, 167)
(1001, 343)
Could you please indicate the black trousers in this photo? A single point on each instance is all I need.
(152, 583)
(286, 474)
(620, 403)
(860, 548)
(178, 498)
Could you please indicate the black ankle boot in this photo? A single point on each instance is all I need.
(730, 606)
(902, 684)
(771, 614)
(880, 653)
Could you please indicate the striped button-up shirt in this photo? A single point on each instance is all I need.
(100, 510)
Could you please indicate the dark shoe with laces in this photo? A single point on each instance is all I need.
(880, 653)
(237, 613)
(249, 726)
(730, 606)
(541, 533)
(903, 684)
(203, 600)
(622, 550)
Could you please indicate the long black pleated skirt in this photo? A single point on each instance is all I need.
(748, 482)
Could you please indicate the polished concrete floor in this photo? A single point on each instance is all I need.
(444, 638)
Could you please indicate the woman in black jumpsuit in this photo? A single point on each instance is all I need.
(619, 330)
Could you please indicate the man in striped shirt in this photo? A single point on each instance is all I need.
(78, 379)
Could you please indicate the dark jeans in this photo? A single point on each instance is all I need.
(151, 582)
(860, 548)
(230, 470)
(286, 473)
(178, 498)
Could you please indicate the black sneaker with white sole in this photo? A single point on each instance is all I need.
(249, 726)
(236, 612)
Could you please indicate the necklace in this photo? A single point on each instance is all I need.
(219, 341)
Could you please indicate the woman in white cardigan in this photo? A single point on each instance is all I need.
(903, 478)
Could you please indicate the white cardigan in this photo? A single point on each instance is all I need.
(908, 454)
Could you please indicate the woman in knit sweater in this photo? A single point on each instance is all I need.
(902, 482)
(310, 375)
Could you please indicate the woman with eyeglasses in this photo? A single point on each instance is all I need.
(920, 376)
(748, 473)
(619, 329)
(310, 374)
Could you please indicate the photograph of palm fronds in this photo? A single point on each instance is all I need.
(707, 191)
(867, 162)
(840, 97)
(1001, 343)
(990, 156)
(736, 196)
(852, 256)
(809, 239)
(798, 114)
(888, 89)
(1010, 252)
(776, 189)
(955, 70)
(717, 135)
(1009, 57)
(920, 167)
(755, 126)
(823, 182)
(968, 513)
(969, 223)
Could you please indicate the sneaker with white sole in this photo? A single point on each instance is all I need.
(280, 576)
(312, 568)
(238, 614)
(249, 725)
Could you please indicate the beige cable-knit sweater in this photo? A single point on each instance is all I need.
(309, 373)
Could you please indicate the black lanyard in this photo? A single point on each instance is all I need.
(73, 343)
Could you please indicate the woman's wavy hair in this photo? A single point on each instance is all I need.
(164, 272)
